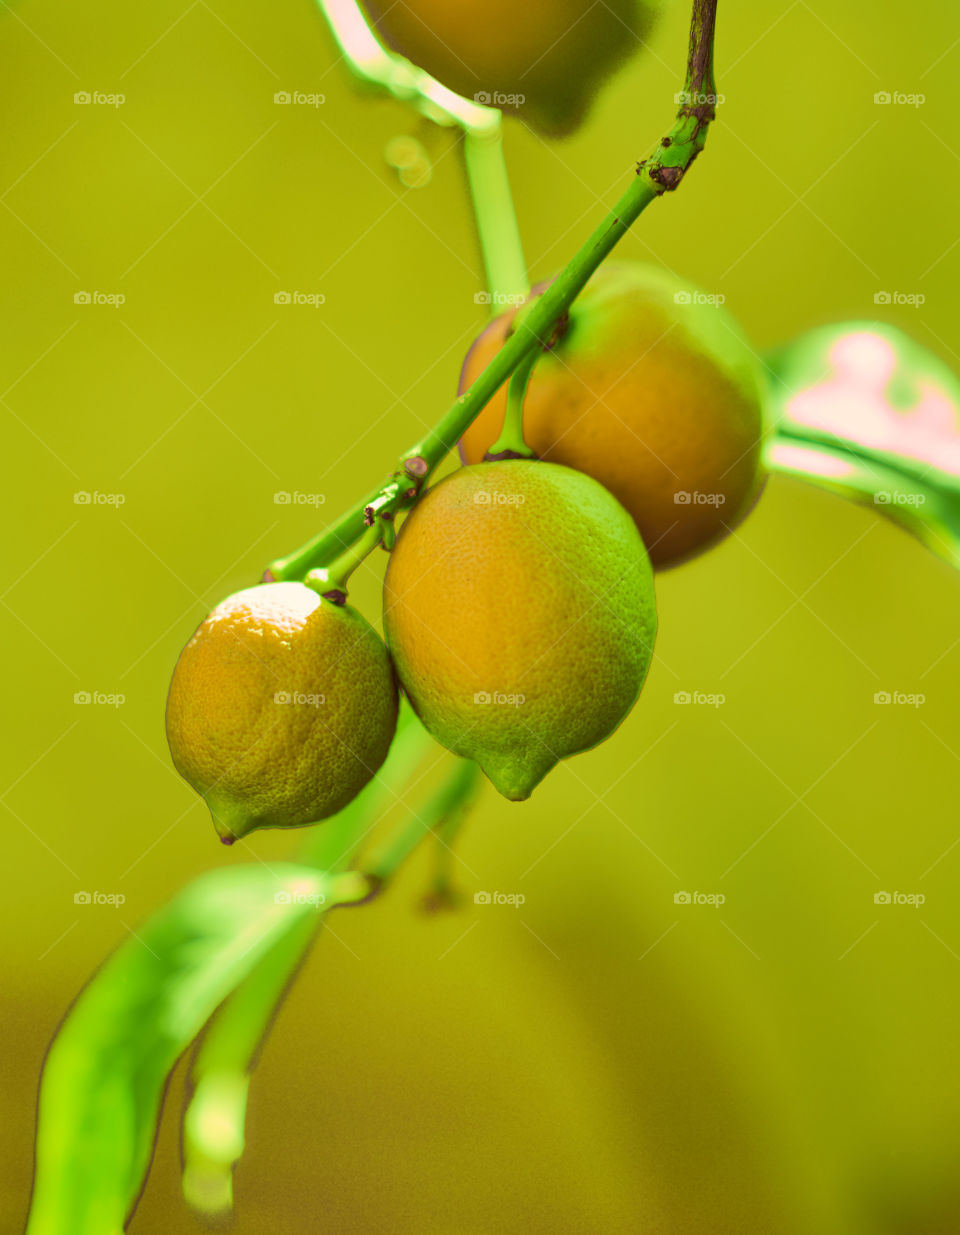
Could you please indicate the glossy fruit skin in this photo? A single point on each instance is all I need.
(520, 613)
(281, 708)
(653, 393)
(552, 54)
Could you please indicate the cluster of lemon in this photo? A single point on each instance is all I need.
(519, 607)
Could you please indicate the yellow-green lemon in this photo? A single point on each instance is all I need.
(520, 613)
(281, 708)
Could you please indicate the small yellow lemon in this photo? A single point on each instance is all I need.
(281, 708)
(520, 613)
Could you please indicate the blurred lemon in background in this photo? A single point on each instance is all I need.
(544, 60)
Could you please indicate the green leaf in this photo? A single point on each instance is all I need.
(863, 410)
(103, 1083)
(215, 1114)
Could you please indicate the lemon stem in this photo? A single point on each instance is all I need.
(482, 127)
(511, 444)
(331, 581)
(661, 172)
(450, 800)
(441, 894)
(496, 218)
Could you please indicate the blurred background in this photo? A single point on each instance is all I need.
(601, 1058)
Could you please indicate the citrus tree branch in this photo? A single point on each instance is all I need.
(661, 172)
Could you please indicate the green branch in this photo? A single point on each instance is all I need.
(661, 172)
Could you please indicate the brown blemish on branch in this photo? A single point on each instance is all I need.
(416, 466)
(667, 177)
(560, 327)
(700, 59)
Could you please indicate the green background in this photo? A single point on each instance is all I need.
(601, 1059)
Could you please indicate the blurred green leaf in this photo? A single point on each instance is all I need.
(214, 1117)
(103, 1083)
(863, 410)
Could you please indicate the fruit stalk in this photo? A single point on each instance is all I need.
(496, 219)
(482, 126)
(448, 801)
(331, 581)
(511, 444)
(661, 172)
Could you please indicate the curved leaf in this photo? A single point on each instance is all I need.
(103, 1082)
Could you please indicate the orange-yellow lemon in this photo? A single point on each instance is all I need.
(652, 390)
(520, 613)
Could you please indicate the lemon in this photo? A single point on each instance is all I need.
(651, 389)
(282, 707)
(519, 609)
